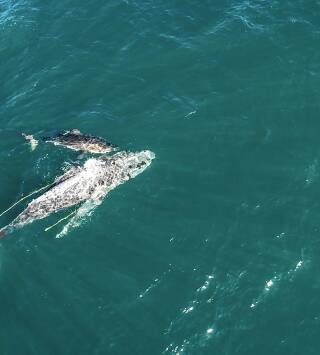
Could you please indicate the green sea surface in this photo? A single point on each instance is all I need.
(215, 248)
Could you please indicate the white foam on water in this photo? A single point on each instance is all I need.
(188, 310)
(149, 288)
(269, 284)
(299, 265)
(206, 284)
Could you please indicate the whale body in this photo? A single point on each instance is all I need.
(76, 140)
(92, 181)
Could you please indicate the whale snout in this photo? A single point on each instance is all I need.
(149, 154)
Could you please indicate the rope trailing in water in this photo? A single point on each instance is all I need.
(60, 220)
(24, 198)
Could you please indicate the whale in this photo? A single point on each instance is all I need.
(91, 181)
(76, 140)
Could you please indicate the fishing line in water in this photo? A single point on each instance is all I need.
(81, 215)
(60, 220)
(24, 198)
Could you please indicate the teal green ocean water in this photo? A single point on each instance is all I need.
(215, 248)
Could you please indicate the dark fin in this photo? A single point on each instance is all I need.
(2, 233)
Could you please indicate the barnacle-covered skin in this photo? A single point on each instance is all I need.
(93, 180)
(75, 140)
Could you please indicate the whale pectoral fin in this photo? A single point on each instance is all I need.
(83, 212)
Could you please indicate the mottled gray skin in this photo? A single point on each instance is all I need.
(75, 140)
(93, 180)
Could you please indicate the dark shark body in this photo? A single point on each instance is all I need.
(75, 140)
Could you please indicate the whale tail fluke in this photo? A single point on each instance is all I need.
(31, 139)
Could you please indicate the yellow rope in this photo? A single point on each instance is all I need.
(24, 198)
(60, 220)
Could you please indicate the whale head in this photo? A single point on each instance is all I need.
(135, 163)
(128, 164)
